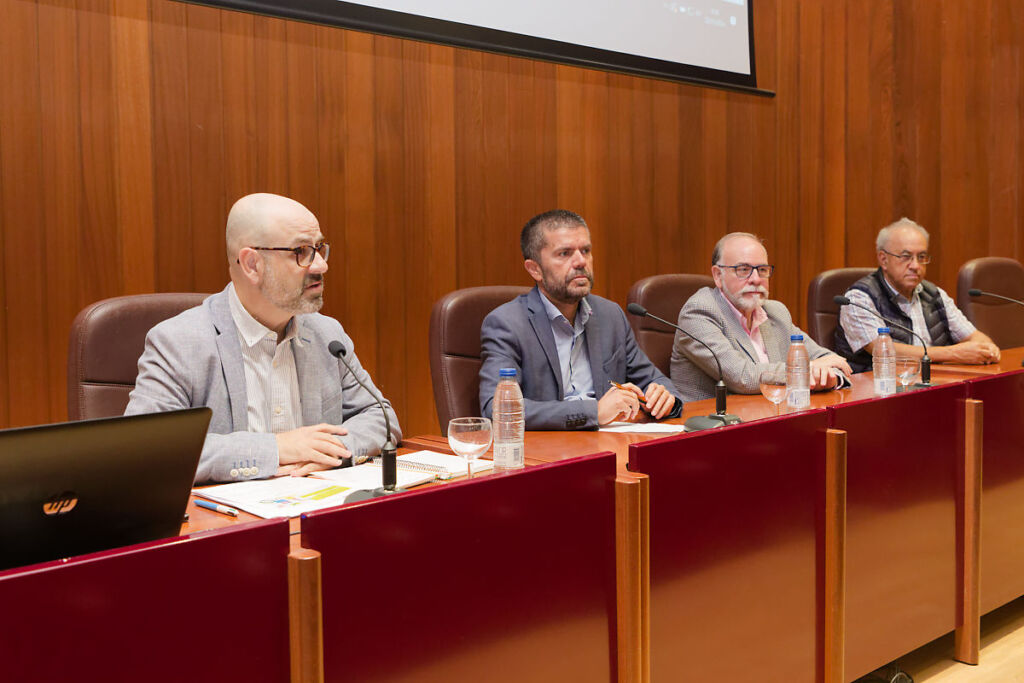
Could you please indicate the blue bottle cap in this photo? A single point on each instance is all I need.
(507, 372)
(796, 337)
(884, 330)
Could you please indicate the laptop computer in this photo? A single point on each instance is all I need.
(80, 487)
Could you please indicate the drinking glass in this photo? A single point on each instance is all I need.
(469, 437)
(773, 387)
(907, 369)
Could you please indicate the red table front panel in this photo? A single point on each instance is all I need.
(1002, 504)
(211, 607)
(901, 564)
(735, 562)
(503, 578)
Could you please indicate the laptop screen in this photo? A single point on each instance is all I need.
(80, 487)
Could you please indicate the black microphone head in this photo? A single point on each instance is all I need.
(337, 349)
(636, 309)
(840, 299)
(975, 292)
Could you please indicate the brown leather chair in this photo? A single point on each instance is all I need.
(107, 339)
(1001, 320)
(662, 295)
(455, 347)
(822, 312)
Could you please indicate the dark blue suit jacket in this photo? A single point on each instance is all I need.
(518, 335)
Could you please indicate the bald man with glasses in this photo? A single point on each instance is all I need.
(256, 354)
(749, 333)
(898, 291)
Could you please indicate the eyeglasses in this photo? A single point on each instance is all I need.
(743, 270)
(924, 258)
(304, 255)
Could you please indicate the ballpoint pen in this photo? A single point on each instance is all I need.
(619, 386)
(216, 507)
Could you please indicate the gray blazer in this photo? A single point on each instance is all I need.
(708, 316)
(194, 359)
(518, 335)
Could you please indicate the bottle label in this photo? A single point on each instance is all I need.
(798, 398)
(508, 456)
(885, 386)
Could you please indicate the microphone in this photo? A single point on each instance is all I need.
(978, 292)
(926, 361)
(720, 418)
(388, 452)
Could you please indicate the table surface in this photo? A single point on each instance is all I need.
(559, 445)
(554, 446)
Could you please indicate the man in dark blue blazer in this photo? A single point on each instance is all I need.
(569, 346)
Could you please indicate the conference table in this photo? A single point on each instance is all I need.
(813, 546)
(747, 580)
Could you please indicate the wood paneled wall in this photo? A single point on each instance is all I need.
(127, 128)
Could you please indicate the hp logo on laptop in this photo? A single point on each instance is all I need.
(61, 504)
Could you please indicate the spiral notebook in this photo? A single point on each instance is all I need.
(441, 465)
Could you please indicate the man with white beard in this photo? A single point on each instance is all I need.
(749, 332)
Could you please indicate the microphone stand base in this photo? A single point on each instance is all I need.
(921, 385)
(379, 492)
(713, 421)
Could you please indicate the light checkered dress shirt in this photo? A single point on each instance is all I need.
(861, 328)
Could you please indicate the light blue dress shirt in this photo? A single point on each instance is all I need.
(571, 344)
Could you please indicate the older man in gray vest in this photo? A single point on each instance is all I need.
(898, 291)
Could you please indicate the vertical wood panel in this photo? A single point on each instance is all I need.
(301, 98)
(1004, 138)
(99, 236)
(21, 211)
(428, 93)
(206, 149)
(348, 176)
(533, 152)
(133, 153)
(390, 224)
(129, 128)
(172, 169)
(61, 169)
(239, 104)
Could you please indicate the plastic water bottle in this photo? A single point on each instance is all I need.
(509, 423)
(883, 361)
(798, 374)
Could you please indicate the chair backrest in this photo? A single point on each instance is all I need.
(107, 339)
(1001, 320)
(455, 347)
(822, 312)
(662, 295)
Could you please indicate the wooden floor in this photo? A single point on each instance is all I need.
(1002, 653)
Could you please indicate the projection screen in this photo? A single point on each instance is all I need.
(709, 42)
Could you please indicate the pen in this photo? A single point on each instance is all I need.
(216, 507)
(619, 386)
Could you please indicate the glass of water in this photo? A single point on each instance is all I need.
(469, 437)
(907, 368)
(773, 387)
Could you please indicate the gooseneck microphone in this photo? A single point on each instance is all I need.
(720, 417)
(926, 361)
(388, 452)
(978, 292)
